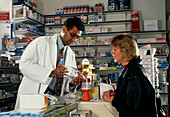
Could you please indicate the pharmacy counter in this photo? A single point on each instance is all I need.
(98, 108)
(52, 111)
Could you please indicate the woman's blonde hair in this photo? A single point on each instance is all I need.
(127, 45)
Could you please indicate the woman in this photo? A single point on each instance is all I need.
(134, 96)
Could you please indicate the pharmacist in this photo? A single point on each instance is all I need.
(40, 62)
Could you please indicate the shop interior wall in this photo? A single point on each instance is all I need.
(6, 5)
(152, 9)
(167, 9)
(40, 5)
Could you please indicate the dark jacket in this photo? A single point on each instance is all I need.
(135, 96)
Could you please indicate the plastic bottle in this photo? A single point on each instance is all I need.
(163, 77)
(90, 9)
(10, 44)
(97, 7)
(126, 4)
(100, 7)
(65, 10)
(113, 5)
(121, 4)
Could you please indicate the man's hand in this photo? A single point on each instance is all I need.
(59, 71)
(78, 80)
(108, 95)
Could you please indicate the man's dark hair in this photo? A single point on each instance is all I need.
(74, 21)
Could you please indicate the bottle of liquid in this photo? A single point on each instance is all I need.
(163, 77)
(121, 3)
(86, 88)
(113, 5)
(126, 4)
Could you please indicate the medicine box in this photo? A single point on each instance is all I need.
(82, 113)
(150, 25)
(33, 101)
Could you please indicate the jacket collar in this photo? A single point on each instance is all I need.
(134, 61)
(131, 63)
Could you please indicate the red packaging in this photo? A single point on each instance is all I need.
(160, 39)
(135, 21)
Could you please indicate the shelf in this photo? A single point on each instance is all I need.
(27, 32)
(165, 106)
(94, 57)
(110, 22)
(11, 86)
(106, 33)
(7, 100)
(115, 11)
(109, 68)
(20, 44)
(28, 5)
(112, 57)
(164, 93)
(158, 43)
(163, 67)
(54, 25)
(96, 23)
(27, 20)
(80, 46)
(64, 15)
(87, 13)
(161, 55)
(9, 69)
(150, 32)
(162, 83)
(106, 68)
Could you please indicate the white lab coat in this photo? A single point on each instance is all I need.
(37, 62)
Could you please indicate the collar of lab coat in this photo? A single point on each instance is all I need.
(60, 44)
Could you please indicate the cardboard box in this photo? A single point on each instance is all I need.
(84, 18)
(150, 25)
(96, 30)
(135, 21)
(35, 100)
(115, 17)
(104, 29)
(81, 113)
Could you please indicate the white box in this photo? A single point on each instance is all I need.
(96, 30)
(104, 29)
(115, 17)
(36, 100)
(150, 25)
(141, 40)
(150, 40)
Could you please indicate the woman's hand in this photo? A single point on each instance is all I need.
(108, 96)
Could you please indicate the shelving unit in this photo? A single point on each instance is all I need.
(8, 90)
(161, 56)
(27, 22)
(124, 20)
